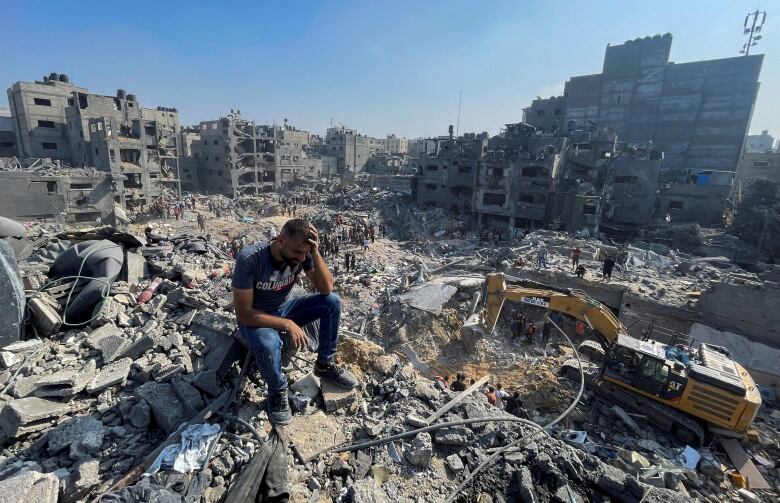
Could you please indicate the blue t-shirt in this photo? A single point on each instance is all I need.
(271, 281)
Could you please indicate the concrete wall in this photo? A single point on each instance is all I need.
(38, 111)
(759, 165)
(74, 198)
(546, 114)
(693, 202)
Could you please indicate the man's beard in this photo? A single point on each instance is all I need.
(291, 261)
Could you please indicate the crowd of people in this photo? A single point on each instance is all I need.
(577, 268)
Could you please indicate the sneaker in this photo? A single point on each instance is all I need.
(339, 376)
(279, 407)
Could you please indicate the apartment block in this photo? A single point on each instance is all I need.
(38, 114)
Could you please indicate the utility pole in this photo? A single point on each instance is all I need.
(457, 128)
(753, 31)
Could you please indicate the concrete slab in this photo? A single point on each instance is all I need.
(309, 386)
(11, 296)
(66, 382)
(311, 435)
(30, 414)
(336, 398)
(30, 487)
(110, 340)
(110, 375)
(167, 409)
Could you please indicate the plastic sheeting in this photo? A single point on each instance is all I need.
(189, 454)
(430, 297)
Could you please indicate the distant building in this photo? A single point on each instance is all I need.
(759, 143)
(7, 134)
(38, 112)
(350, 148)
(546, 114)
(395, 145)
(758, 165)
(697, 113)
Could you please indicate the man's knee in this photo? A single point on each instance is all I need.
(332, 301)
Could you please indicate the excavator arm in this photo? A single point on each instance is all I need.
(571, 302)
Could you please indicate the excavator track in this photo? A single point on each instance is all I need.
(661, 415)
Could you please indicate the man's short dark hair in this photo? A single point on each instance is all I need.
(297, 227)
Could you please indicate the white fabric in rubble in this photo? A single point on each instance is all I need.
(190, 453)
(429, 297)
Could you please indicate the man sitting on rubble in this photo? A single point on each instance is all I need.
(264, 275)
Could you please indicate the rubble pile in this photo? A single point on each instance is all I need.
(156, 379)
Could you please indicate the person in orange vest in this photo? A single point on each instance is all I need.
(579, 329)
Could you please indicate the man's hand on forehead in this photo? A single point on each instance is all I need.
(314, 239)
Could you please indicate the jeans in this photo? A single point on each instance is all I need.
(267, 344)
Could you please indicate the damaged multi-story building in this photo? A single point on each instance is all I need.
(447, 175)
(138, 147)
(238, 157)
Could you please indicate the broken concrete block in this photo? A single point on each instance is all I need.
(167, 409)
(367, 491)
(454, 463)
(30, 487)
(206, 381)
(8, 359)
(197, 276)
(454, 435)
(385, 364)
(81, 481)
(44, 316)
(421, 452)
(66, 382)
(336, 398)
(84, 430)
(113, 373)
(139, 347)
(308, 385)
(27, 415)
(110, 340)
(189, 396)
(140, 415)
(425, 391)
(137, 268)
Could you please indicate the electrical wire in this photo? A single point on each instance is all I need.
(104, 294)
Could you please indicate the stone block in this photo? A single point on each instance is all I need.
(308, 385)
(336, 398)
(454, 435)
(454, 463)
(31, 414)
(137, 348)
(110, 375)
(66, 382)
(30, 487)
(44, 316)
(421, 451)
(167, 409)
(79, 483)
(81, 434)
(110, 341)
(188, 395)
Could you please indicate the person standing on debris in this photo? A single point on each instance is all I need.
(365, 244)
(606, 271)
(541, 257)
(352, 263)
(501, 395)
(346, 261)
(580, 271)
(201, 223)
(264, 275)
(530, 331)
(459, 384)
(490, 394)
(514, 405)
(372, 232)
(579, 329)
(575, 257)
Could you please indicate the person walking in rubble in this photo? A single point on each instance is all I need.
(530, 331)
(201, 223)
(606, 271)
(541, 257)
(264, 275)
(346, 261)
(575, 258)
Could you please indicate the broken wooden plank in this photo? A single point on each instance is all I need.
(743, 463)
(452, 403)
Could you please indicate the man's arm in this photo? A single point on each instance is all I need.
(248, 316)
(319, 275)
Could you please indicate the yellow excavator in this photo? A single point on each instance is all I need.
(679, 388)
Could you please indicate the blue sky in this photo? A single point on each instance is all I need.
(380, 67)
